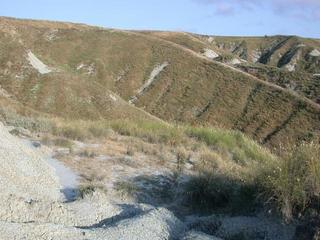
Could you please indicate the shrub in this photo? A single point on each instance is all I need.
(73, 132)
(87, 154)
(182, 158)
(62, 142)
(89, 189)
(231, 174)
(130, 151)
(210, 192)
(99, 130)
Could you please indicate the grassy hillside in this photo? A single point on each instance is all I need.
(95, 72)
(290, 62)
(279, 51)
(303, 83)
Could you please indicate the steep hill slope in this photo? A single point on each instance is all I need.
(288, 61)
(77, 71)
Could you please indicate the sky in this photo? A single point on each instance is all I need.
(212, 17)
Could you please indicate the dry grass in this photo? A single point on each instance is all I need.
(88, 189)
(231, 170)
(295, 184)
(189, 90)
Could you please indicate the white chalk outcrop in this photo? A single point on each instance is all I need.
(210, 54)
(155, 72)
(37, 64)
(235, 61)
(315, 53)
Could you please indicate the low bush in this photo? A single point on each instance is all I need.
(10, 117)
(212, 192)
(73, 132)
(89, 189)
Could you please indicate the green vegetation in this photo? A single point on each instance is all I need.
(34, 124)
(189, 90)
(232, 171)
(150, 131)
(126, 188)
(243, 149)
(295, 184)
(89, 189)
(291, 183)
(301, 82)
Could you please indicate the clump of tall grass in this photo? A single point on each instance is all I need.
(154, 132)
(82, 130)
(88, 189)
(290, 182)
(61, 142)
(242, 149)
(223, 184)
(295, 184)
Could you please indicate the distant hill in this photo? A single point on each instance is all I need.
(78, 71)
(289, 61)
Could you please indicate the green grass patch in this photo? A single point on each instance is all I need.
(243, 149)
(154, 132)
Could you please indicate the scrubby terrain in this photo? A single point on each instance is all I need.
(288, 61)
(110, 134)
(78, 71)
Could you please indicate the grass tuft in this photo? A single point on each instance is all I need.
(295, 184)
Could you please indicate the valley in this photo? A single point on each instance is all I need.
(119, 134)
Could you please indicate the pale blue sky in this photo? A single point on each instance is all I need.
(217, 17)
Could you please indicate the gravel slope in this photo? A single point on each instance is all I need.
(23, 171)
(32, 206)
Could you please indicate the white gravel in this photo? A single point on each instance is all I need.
(37, 64)
(31, 206)
(227, 227)
(24, 172)
(155, 224)
(315, 53)
(67, 178)
(155, 72)
(290, 67)
(210, 54)
(211, 39)
(235, 61)
(256, 54)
